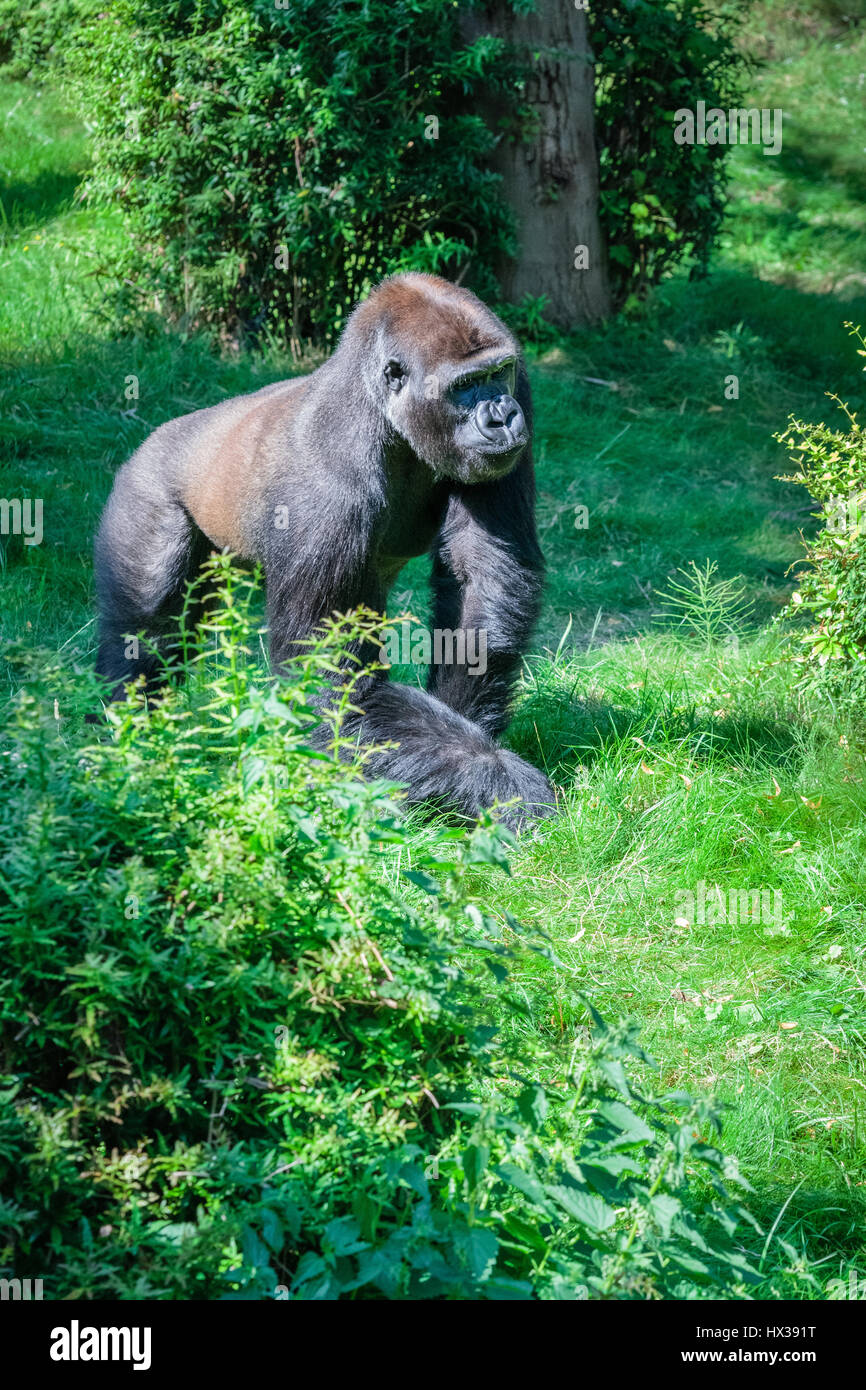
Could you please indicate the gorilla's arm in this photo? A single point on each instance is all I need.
(443, 758)
(487, 577)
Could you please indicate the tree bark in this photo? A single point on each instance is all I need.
(551, 180)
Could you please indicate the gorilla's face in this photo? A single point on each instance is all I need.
(448, 377)
(466, 424)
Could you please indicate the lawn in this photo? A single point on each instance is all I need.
(688, 765)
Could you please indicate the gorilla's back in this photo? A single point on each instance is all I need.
(219, 458)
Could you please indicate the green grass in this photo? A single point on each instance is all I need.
(691, 767)
(799, 218)
(677, 762)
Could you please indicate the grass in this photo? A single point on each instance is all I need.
(679, 761)
(696, 767)
(799, 218)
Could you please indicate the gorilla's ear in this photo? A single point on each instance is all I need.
(395, 375)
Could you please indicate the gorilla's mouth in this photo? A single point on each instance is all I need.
(496, 451)
(504, 441)
(492, 461)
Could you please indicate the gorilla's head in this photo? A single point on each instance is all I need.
(447, 375)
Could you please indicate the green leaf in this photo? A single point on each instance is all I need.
(475, 1160)
(525, 1232)
(510, 1290)
(422, 880)
(255, 1252)
(614, 1072)
(525, 1182)
(633, 1128)
(479, 1247)
(585, 1207)
(272, 1231)
(532, 1106)
(664, 1208)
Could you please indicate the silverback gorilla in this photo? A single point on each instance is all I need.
(414, 435)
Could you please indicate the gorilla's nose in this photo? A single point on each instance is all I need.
(500, 420)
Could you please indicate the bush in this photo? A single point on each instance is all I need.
(660, 202)
(832, 590)
(33, 37)
(246, 1038)
(273, 164)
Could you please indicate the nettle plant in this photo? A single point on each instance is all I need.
(832, 588)
(249, 1048)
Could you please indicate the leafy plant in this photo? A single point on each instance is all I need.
(660, 202)
(527, 320)
(247, 1041)
(832, 590)
(274, 163)
(33, 36)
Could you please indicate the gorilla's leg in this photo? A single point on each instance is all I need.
(447, 760)
(444, 759)
(146, 552)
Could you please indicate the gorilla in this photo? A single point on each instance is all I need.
(415, 435)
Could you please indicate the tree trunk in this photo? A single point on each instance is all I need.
(551, 180)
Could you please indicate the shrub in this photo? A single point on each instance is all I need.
(832, 589)
(275, 163)
(32, 37)
(246, 1036)
(660, 202)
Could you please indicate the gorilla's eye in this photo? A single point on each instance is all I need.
(498, 378)
(395, 375)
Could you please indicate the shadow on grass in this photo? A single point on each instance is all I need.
(822, 160)
(829, 1221)
(802, 338)
(36, 201)
(565, 732)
